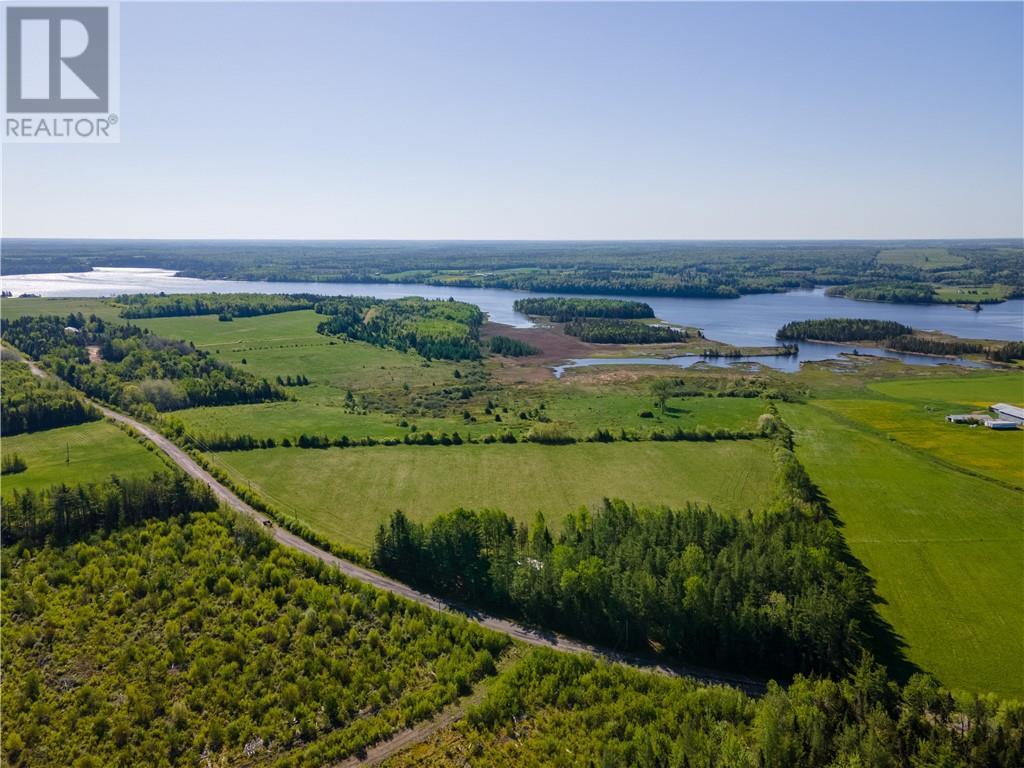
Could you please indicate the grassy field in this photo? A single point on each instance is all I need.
(587, 411)
(976, 391)
(97, 450)
(923, 258)
(319, 410)
(11, 309)
(992, 453)
(944, 547)
(912, 411)
(345, 494)
(970, 294)
(288, 344)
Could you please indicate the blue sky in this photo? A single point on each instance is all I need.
(547, 121)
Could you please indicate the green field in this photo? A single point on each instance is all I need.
(287, 344)
(345, 493)
(11, 309)
(974, 391)
(587, 411)
(923, 258)
(97, 450)
(320, 410)
(995, 454)
(970, 294)
(944, 547)
(913, 413)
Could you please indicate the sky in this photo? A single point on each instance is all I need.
(547, 121)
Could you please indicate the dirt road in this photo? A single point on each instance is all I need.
(510, 628)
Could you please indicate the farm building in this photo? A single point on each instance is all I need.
(1000, 424)
(1005, 412)
(964, 418)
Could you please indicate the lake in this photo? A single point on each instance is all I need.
(748, 321)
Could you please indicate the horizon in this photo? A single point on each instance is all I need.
(567, 241)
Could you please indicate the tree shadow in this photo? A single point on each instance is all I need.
(885, 643)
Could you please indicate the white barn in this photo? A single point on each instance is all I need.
(1006, 412)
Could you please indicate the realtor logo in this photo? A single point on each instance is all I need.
(61, 72)
(57, 60)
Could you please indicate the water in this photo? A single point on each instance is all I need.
(789, 363)
(749, 321)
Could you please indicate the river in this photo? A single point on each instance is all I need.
(749, 321)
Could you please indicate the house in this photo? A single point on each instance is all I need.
(1001, 424)
(1005, 412)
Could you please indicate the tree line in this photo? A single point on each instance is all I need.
(843, 329)
(65, 513)
(895, 336)
(898, 293)
(925, 346)
(1014, 350)
(227, 305)
(561, 310)
(299, 380)
(542, 432)
(29, 403)
(136, 367)
(503, 345)
(600, 331)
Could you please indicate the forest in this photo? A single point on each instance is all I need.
(561, 310)
(771, 590)
(923, 345)
(842, 329)
(435, 328)
(563, 709)
(195, 640)
(601, 331)
(29, 403)
(895, 336)
(134, 367)
(900, 293)
(227, 305)
(503, 345)
(1014, 350)
(655, 268)
(66, 513)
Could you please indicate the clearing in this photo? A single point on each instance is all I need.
(345, 494)
(97, 450)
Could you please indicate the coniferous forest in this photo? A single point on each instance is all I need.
(842, 329)
(562, 310)
(623, 332)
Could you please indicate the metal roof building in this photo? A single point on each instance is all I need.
(1001, 424)
(1008, 412)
